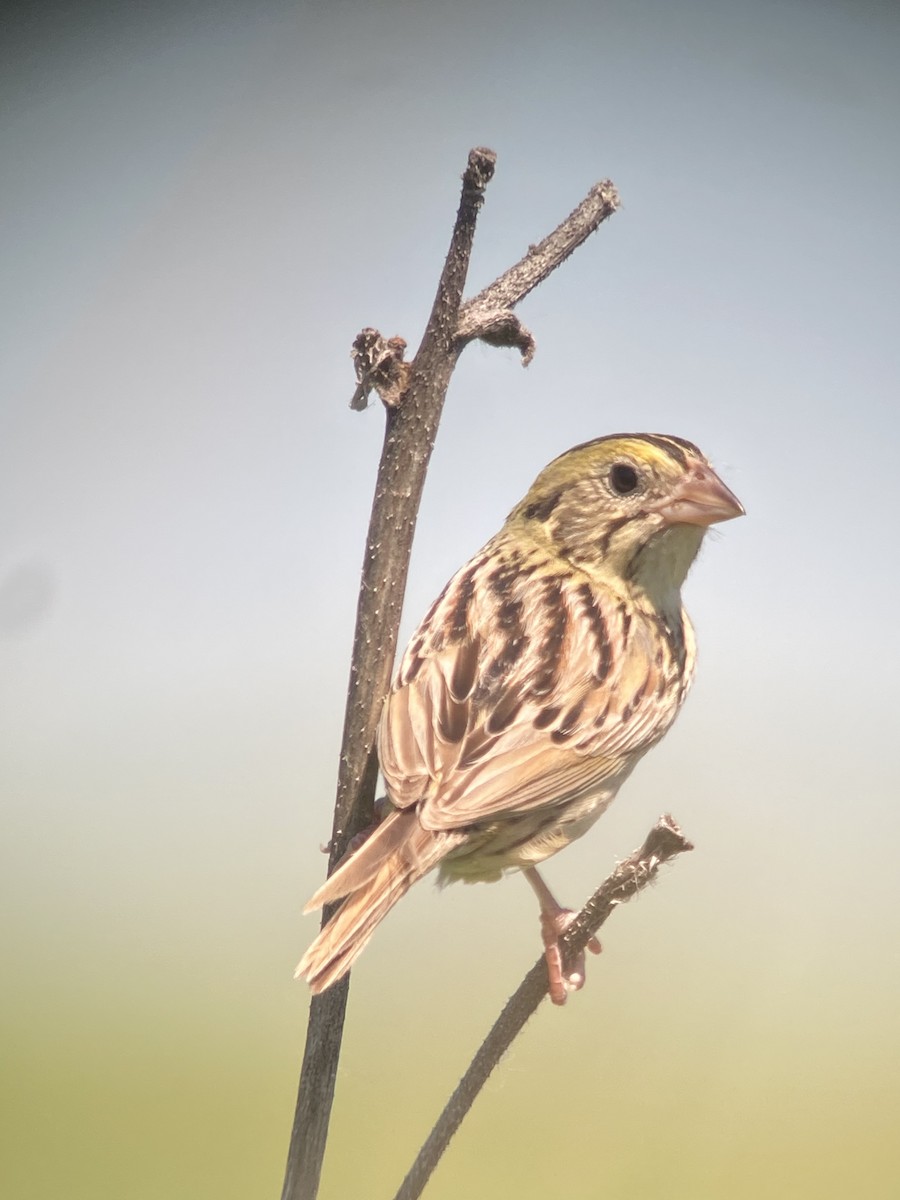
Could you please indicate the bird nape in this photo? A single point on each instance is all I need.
(550, 663)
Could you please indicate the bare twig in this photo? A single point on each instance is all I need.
(488, 315)
(379, 364)
(663, 842)
(413, 394)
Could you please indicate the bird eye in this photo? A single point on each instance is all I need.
(623, 478)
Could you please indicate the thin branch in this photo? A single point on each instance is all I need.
(489, 315)
(662, 843)
(409, 438)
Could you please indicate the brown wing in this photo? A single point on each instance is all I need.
(522, 688)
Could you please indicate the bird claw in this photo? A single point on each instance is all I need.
(554, 923)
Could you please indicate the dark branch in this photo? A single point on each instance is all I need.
(663, 842)
(412, 421)
(379, 364)
(489, 314)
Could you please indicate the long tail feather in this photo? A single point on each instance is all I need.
(404, 855)
(357, 869)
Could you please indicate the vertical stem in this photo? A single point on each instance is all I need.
(408, 442)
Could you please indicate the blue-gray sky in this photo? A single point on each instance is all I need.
(202, 206)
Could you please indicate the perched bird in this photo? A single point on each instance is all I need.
(550, 663)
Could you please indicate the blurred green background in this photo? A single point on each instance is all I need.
(203, 205)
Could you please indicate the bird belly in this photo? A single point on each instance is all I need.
(524, 839)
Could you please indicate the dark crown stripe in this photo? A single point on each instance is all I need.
(668, 443)
(674, 447)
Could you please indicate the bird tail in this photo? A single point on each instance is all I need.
(373, 879)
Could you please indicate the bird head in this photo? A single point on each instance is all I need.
(629, 509)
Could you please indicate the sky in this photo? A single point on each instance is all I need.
(203, 204)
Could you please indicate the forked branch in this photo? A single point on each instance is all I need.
(489, 315)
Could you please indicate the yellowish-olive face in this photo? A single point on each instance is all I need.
(603, 503)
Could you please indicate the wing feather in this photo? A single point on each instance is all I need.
(520, 692)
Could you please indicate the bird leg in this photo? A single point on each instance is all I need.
(555, 920)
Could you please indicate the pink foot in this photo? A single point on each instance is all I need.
(554, 922)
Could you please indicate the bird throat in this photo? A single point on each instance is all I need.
(660, 566)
